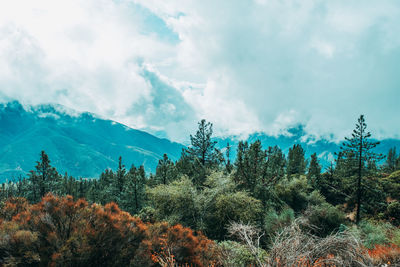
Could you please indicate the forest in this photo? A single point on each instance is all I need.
(264, 208)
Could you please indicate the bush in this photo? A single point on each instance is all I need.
(324, 218)
(175, 202)
(393, 212)
(274, 222)
(235, 254)
(294, 193)
(372, 233)
(59, 231)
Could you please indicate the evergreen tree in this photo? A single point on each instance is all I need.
(228, 165)
(296, 161)
(250, 170)
(275, 165)
(360, 148)
(391, 160)
(165, 171)
(44, 179)
(119, 178)
(202, 146)
(134, 192)
(106, 185)
(201, 156)
(314, 171)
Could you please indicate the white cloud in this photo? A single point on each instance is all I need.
(244, 65)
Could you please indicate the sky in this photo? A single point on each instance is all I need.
(245, 65)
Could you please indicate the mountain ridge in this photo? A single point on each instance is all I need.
(81, 144)
(84, 144)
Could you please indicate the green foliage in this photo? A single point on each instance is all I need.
(274, 222)
(133, 191)
(175, 202)
(296, 161)
(238, 207)
(325, 217)
(314, 171)
(372, 233)
(220, 203)
(392, 161)
(236, 254)
(358, 149)
(315, 198)
(254, 172)
(44, 179)
(393, 212)
(166, 171)
(294, 192)
(391, 185)
(201, 154)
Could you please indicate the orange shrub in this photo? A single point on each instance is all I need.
(389, 254)
(59, 231)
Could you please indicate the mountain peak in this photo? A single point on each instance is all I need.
(79, 143)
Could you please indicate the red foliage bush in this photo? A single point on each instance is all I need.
(59, 231)
(385, 254)
(186, 246)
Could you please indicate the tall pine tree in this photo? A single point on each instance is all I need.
(360, 148)
(296, 161)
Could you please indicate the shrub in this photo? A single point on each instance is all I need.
(393, 212)
(296, 247)
(235, 254)
(385, 254)
(372, 233)
(274, 222)
(59, 231)
(324, 218)
(294, 193)
(175, 202)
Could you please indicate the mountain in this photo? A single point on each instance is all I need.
(325, 149)
(81, 144)
(84, 145)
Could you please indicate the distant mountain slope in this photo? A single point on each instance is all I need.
(324, 148)
(79, 143)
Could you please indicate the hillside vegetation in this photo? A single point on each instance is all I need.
(264, 209)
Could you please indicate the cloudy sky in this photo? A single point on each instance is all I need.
(255, 65)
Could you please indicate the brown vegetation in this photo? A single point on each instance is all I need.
(59, 231)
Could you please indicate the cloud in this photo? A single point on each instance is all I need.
(262, 65)
(313, 62)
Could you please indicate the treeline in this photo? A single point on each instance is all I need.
(262, 188)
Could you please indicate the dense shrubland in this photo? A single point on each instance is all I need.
(263, 209)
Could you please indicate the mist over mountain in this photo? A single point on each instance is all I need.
(81, 144)
(84, 145)
(325, 149)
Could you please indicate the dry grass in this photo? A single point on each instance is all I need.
(296, 247)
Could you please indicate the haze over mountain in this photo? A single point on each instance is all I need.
(81, 144)
(84, 145)
(325, 149)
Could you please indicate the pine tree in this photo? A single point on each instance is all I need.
(201, 156)
(228, 165)
(360, 149)
(391, 159)
(44, 179)
(251, 170)
(165, 171)
(106, 185)
(275, 165)
(134, 192)
(314, 171)
(296, 161)
(202, 146)
(120, 177)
